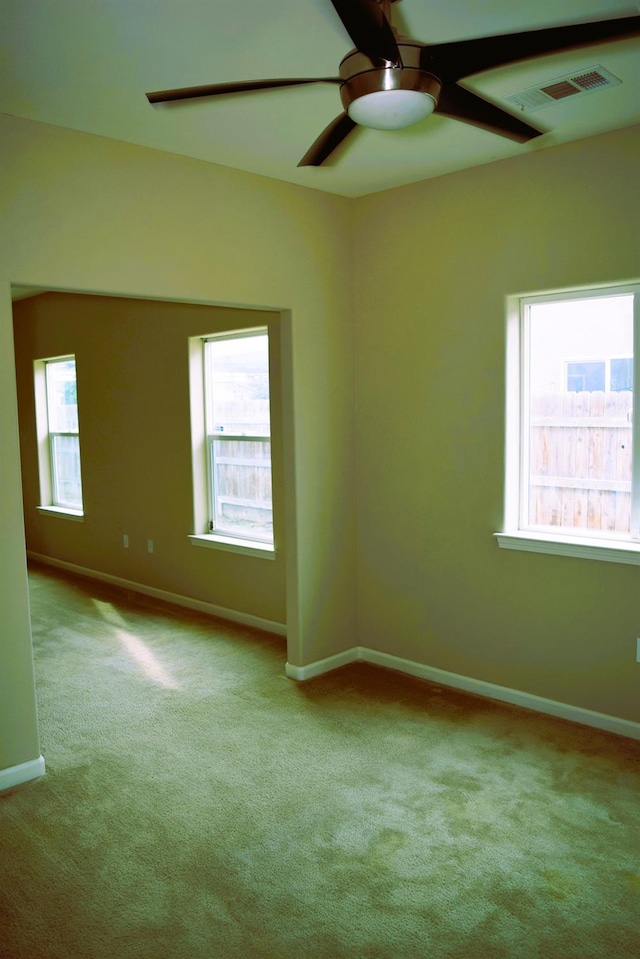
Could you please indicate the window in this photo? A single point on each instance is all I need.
(607, 375)
(58, 436)
(585, 377)
(238, 435)
(236, 440)
(573, 479)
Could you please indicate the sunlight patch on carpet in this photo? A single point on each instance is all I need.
(135, 648)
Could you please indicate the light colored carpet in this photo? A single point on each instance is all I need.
(199, 804)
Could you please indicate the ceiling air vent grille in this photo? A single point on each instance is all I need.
(561, 88)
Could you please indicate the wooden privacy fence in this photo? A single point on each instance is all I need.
(243, 467)
(580, 460)
(244, 472)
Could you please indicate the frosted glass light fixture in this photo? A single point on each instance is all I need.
(388, 98)
(391, 109)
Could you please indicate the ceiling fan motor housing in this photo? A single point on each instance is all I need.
(361, 78)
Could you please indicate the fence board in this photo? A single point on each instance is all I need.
(580, 460)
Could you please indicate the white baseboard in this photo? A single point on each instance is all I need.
(234, 616)
(587, 717)
(302, 673)
(16, 775)
(576, 714)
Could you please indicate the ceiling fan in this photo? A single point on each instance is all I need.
(388, 81)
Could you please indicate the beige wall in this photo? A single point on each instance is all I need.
(18, 721)
(430, 320)
(87, 214)
(133, 383)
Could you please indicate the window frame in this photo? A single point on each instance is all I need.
(46, 440)
(517, 533)
(202, 448)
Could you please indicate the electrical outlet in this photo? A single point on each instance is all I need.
(150, 546)
(125, 540)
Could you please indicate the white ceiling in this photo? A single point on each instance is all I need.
(87, 64)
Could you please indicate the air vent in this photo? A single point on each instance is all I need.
(562, 88)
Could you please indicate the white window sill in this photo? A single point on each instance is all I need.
(605, 550)
(247, 547)
(63, 512)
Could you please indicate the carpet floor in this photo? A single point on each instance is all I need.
(199, 805)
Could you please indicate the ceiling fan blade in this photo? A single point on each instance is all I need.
(462, 58)
(242, 86)
(330, 138)
(370, 31)
(461, 104)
